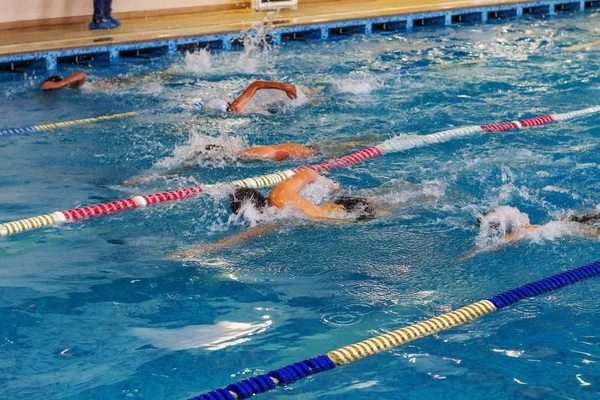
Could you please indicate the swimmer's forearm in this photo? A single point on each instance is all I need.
(239, 104)
(177, 171)
(469, 255)
(257, 231)
(272, 85)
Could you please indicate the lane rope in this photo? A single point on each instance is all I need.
(395, 144)
(357, 351)
(64, 124)
(402, 71)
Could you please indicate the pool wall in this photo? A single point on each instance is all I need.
(225, 41)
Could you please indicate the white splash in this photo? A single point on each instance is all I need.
(358, 84)
(254, 57)
(194, 151)
(199, 62)
(499, 222)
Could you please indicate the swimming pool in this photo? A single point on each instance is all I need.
(92, 310)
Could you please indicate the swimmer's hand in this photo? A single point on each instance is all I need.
(469, 255)
(257, 231)
(136, 180)
(291, 92)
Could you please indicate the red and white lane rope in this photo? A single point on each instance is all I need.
(395, 144)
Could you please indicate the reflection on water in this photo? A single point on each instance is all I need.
(213, 337)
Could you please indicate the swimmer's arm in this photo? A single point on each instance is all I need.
(170, 172)
(257, 231)
(507, 240)
(239, 104)
(591, 232)
(277, 155)
(319, 213)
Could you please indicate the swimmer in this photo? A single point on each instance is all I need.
(73, 81)
(275, 152)
(286, 196)
(77, 80)
(240, 104)
(513, 225)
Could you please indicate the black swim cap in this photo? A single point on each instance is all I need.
(498, 222)
(243, 195)
(357, 205)
(591, 218)
(210, 147)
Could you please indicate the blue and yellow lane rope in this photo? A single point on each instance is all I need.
(64, 124)
(349, 354)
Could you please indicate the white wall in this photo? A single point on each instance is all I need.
(26, 10)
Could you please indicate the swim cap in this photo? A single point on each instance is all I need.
(591, 218)
(242, 196)
(357, 205)
(505, 220)
(219, 105)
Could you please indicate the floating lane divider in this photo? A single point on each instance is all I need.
(395, 144)
(533, 54)
(63, 124)
(349, 354)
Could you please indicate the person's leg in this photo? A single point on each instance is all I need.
(102, 19)
(108, 12)
(98, 11)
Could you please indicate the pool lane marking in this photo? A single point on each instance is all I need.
(63, 124)
(395, 144)
(357, 351)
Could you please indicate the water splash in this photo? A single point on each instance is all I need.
(205, 150)
(198, 63)
(256, 45)
(255, 56)
(358, 84)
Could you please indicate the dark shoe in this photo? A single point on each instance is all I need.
(114, 21)
(106, 24)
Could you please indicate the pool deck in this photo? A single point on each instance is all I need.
(172, 31)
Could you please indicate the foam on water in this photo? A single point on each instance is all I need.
(358, 84)
(199, 62)
(194, 151)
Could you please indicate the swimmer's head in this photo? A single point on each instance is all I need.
(243, 196)
(74, 81)
(54, 82)
(214, 147)
(55, 78)
(503, 220)
(358, 206)
(217, 105)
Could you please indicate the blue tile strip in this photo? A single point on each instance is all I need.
(52, 58)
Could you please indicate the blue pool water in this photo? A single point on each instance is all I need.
(94, 310)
